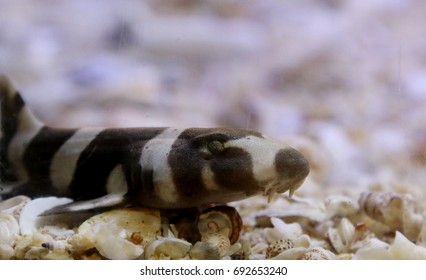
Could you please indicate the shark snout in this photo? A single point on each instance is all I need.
(291, 166)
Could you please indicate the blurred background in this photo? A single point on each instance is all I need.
(344, 81)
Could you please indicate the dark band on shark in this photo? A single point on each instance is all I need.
(11, 104)
(109, 149)
(39, 153)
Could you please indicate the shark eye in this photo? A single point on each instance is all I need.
(215, 147)
(211, 148)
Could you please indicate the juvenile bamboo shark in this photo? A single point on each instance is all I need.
(160, 167)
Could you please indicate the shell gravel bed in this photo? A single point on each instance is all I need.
(342, 81)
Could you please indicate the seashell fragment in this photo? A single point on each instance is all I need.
(239, 250)
(343, 236)
(6, 252)
(30, 246)
(383, 207)
(282, 230)
(14, 205)
(113, 246)
(204, 251)
(223, 219)
(421, 238)
(57, 250)
(36, 253)
(278, 247)
(404, 249)
(57, 231)
(373, 249)
(167, 248)
(121, 233)
(29, 220)
(397, 211)
(339, 205)
(291, 254)
(218, 240)
(9, 229)
(284, 207)
(286, 241)
(400, 249)
(317, 253)
(80, 242)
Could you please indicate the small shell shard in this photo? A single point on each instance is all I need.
(6, 252)
(167, 248)
(383, 207)
(121, 233)
(283, 230)
(374, 249)
(317, 253)
(219, 241)
(204, 251)
(339, 205)
(395, 211)
(221, 219)
(400, 249)
(286, 241)
(404, 249)
(291, 254)
(278, 247)
(14, 205)
(9, 229)
(29, 217)
(113, 247)
(342, 237)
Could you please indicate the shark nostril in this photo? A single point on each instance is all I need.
(292, 164)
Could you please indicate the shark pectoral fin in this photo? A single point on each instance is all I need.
(87, 205)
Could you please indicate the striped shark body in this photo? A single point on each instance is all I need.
(165, 168)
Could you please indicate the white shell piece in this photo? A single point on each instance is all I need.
(114, 247)
(81, 242)
(204, 251)
(412, 222)
(167, 247)
(30, 246)
(374, 249)
(13, 205)
(9, 229)
(286, 241)
(6, 252)
(291, 254)
(278, 247)
(421, 239)
(339, 205)
(317, 253)
(57, 231)
(400, 249)
(113, 232)
(302, 241)
(28, 219)
(295, 207)
(241, 246)
(385, 207)
(343, 236)
(404, 249)
(219, 241)
(282, 230)
(396, 211)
